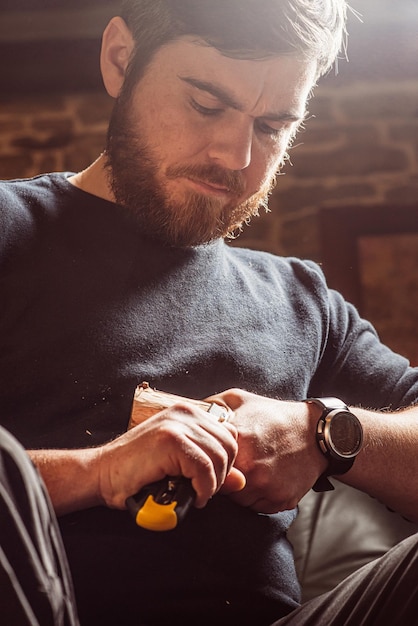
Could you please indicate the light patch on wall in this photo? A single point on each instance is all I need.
(388, 267)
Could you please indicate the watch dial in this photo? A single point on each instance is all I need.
(345, 433)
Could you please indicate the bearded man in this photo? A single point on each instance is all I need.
(122, 273)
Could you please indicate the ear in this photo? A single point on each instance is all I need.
(117, 47)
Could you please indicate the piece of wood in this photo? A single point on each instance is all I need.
(148, 401)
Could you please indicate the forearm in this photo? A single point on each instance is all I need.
(71, 477)
(387, 466)
(180, 440)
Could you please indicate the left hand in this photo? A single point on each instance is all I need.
(277, 450)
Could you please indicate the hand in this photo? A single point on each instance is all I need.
(181, 440)
(277, 450)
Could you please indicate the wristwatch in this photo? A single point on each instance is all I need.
(339, 435)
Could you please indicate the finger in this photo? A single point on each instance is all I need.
(231, 398)
(232, 429)
(235, 481)
(220, 433)
(212, 467)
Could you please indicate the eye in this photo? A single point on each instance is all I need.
(207, 111)
(267, 129)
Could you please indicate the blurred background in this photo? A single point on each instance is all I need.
(349, 197)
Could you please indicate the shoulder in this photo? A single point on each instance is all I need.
(21, 197)
(290, 272)
(25, 204)
(295, 284)
(27, 191)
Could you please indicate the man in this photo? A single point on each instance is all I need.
(120, 273)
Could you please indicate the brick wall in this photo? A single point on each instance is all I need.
(361, 148)
(51, 132)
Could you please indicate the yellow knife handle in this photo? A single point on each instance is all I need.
(162, 505)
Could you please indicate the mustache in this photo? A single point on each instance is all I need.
(212, 174)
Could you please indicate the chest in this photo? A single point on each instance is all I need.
(78, 337)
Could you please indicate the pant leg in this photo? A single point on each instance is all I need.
(35, 584)
(382, 592)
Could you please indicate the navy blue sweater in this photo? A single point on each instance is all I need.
(89, 309)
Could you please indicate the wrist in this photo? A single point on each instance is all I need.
(339, 437)
(314, 413)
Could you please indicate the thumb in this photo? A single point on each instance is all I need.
(235, 481)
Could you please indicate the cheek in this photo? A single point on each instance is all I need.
(175, 141)
(265, 165)
(277, 156)
(162, 127)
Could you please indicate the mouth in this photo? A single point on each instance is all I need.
(208, 188)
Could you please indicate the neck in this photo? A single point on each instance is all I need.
(94, 180)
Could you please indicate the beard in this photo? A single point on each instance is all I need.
(135, 179)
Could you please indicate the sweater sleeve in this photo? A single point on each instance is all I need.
(355, 365)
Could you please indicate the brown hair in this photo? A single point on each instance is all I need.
(312, 29)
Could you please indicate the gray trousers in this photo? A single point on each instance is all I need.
(35, 583)
(383, 592)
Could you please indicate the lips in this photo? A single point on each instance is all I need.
(213, 187)
(210, 179)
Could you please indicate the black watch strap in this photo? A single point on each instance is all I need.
(336, 464)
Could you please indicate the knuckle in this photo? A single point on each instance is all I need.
(168, 433)
(234, 397)
(184, 408)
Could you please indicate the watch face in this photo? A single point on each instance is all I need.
(345, 433)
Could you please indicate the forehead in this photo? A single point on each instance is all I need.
(275, 83)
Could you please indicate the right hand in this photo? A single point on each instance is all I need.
(181, 440)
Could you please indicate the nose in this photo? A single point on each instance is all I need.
(231, 147)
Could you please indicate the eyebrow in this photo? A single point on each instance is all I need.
(228, 100)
